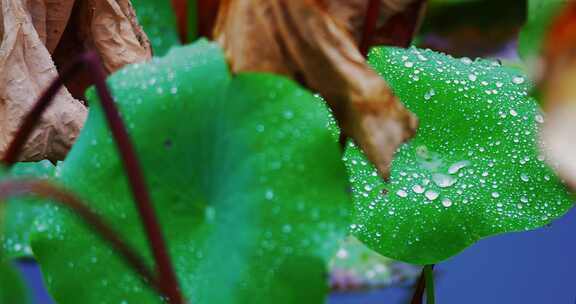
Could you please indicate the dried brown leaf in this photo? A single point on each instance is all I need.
(110, 27)
(41, 35)
(303, 40)
(57, 15)
(26, 69)
(560, 147)
(107, 26)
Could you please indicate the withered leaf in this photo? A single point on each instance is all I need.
(57, 15)
(26, 69)
(303, 39)
(110, 26)
(35, 44)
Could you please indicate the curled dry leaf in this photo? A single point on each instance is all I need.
(303, 39)
(110, 26)
(40, 36)
(559, 93)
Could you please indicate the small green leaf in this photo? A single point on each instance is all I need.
(473, 169)
(12, 288)
(159, 22)
(18, 216)
(540, 16)
(246, 179)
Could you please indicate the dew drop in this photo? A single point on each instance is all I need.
(287, 228)
(429, 94)
(210, 213)
(443, 180)
(518, 79)
(446, 202)
(342, 254)
(269, 194)
(431, 195)
(418, 189)
(495, 194)
(454, 168)
(401, 193)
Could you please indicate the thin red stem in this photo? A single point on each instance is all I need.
(180, 8)
(420, 288)
(90, 60)
(166, 274)
(370, 23)
(44, 189)
(207, 13)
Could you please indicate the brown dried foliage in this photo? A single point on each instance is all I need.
(41, 36)
(317, 43)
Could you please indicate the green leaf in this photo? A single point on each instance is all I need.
(12, 288)
(159, 22)
(247, 181)
(18, 216)
(540, 17)
(473, 169)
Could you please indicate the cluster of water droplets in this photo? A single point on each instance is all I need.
(268, 167)
(157, 20)
(474, 164)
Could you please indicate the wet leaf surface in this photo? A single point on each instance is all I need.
(246, 179)
(18, 216)
(473, 170)
(159, 22)
(12, 288)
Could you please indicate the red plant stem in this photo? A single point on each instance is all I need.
(180, 8)
(418, 297)
(370, 23)
(166, 276)
(402, 27)
(207, 12)
(44, 189)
